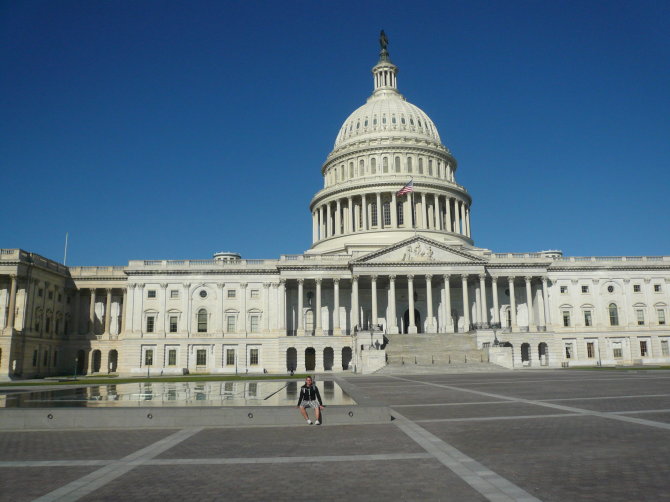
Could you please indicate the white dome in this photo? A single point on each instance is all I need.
(387, 112)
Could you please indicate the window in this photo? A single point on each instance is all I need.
(172, 357)
(568, 351)
(409, 164)
(48, 324)
(230, 357)
(644, 351)
(566, 318)
(254, 323)
(45, 360)
(588, 320)
(55, 358)
(614, 315)
(255, 294)
(173, 323)
(151, 322)
(660, 314)
(351, 169)
(373, 214)
(361, 167)
(201, 357)
(230, 324)
(386, 209)
(174, 293)
(151, 293)
(397, 164)
(40, 292)
(657, 288)
(60, 297)
(373, 166)
(564, 289)
(610, 289)
(400, 213)
(639, 314)
(51, 295)
(385, 164)
(253, 357)
(617, 351)
(430, 167)
(57, 328)
(637, 288)
(202, 321)
(203, 293)
(232, 293)
(665, 348)
(590, 350)
(34, 358)
(420, 165)
(585, 289)
(149, 357)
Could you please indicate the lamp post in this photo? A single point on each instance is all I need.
(76, 363)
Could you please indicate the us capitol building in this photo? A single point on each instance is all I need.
(383, 265)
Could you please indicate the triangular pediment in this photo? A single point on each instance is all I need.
(420, 250)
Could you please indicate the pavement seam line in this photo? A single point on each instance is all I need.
(98, 478)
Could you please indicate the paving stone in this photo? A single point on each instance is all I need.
(27, 483)
(504, 409)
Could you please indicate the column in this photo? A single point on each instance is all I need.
(496, 307)
(317, 311)
(243, 307)
(220, 315)
(364, 210)
(380, 223)
(448, 320)
(300, 314)
(463, 226)
(485, 308)
(322, 222)
(275, 318)
(329, 225)
(529, 302)
(429, 300)
(373, 280)
(281, 299)
(424, 211)
(545, 297)
(338, 218)
(467, 221)
(314, 227)
(512, 302)
(74, 329)
(354, 303)
(540, 309)
(436, 212)
(108, 310)
(410, 296)
(11, 314)
(266, 307)
(124, 300)
(187, 308)
(466, 304)
(351, 215)
(91, 313)
(336, 306)
(449, 226)
(394, 211)
(392, 323)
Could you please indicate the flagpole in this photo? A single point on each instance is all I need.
(65, 253)
(411, 180)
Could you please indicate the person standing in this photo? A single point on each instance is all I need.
(310, 398)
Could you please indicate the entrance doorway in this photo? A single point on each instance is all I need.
(310, 359)
(417, 320)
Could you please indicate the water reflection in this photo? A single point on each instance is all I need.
(265, 393)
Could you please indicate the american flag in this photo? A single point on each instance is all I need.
(409, 187)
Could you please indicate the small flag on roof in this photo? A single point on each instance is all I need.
(409, 187)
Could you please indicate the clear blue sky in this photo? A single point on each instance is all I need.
(170, 130)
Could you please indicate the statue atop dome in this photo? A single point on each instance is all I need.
(384, 43)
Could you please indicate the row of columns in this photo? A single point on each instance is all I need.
(337, 217)
(91, 311)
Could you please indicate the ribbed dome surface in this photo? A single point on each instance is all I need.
(386, 113)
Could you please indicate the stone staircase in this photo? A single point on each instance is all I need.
(436, 353)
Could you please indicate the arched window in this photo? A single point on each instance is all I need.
(385, 164)
(614, 315)
(397, 164)
(373, 166)
(361, 167)
(409, 164)
(420, 165)
(430, 167)
(351, 169)
(202, 321)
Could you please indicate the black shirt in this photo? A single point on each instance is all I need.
(309, 394)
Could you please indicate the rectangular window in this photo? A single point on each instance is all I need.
(174, 293)
(173, 323)
(643, 349)
(48, 324)
(660, 313)
(230, 324)
(201, 357)
(255, 294)
(568, 351)
(149, 357)
(230, 357)
(172, 357)
(617, 350)
(566, 318)
(585, 289)
(151, 293)
(564, 289)
(590, 350)
(60, 297)
(51, 295)
(40, 292)
(373, 214)
(56, 358)
(665, 348)
(639, 313)
(253, 357)
(588, 320)
(151, 320)
(386, 207)
(657, 288)
(400, 213)
(637, 288)
(45, 361)
(232, 293)
(254, 323)
(34, 358)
